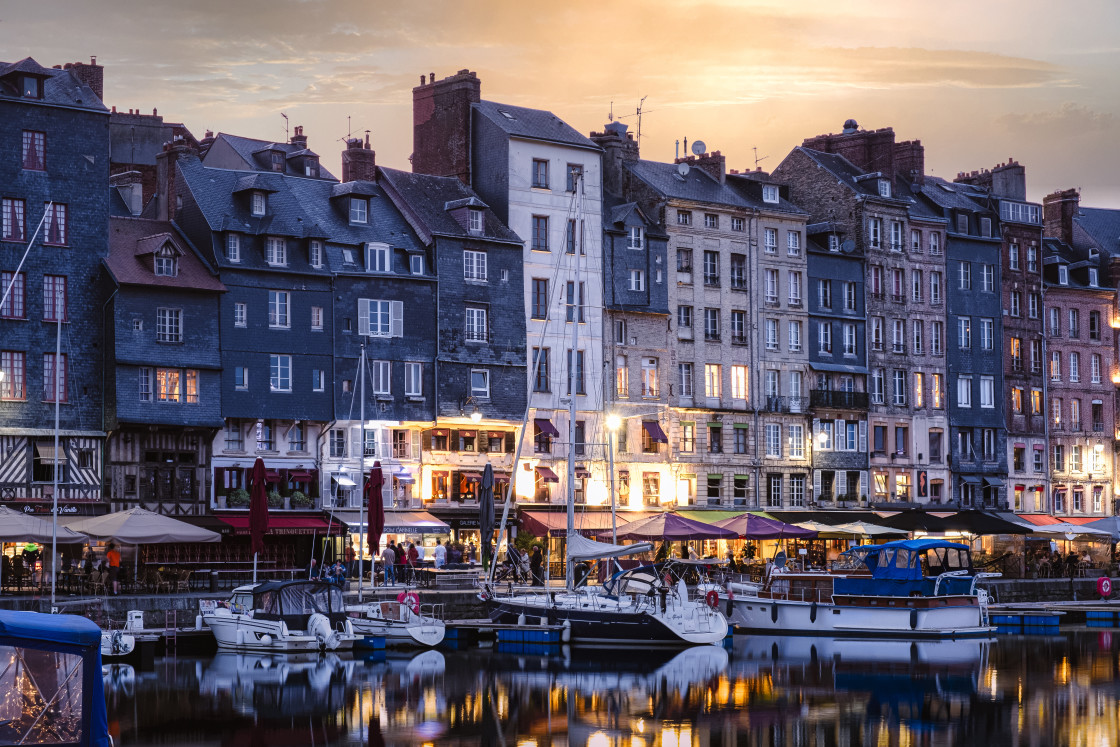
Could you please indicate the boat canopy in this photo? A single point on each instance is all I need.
(912, 560)
(582, 548)
(287, 598)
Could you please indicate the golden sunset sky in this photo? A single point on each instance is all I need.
(976, 82)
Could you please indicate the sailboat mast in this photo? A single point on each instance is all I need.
(361, 469)
(573, 358)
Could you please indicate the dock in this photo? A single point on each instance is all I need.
(1045, 617)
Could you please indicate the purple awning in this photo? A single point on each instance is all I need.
(653, 428)
(546, 427)
(671, 526)
(751, 526)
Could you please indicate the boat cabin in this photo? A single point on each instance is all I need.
(910, 568)
(294, 602)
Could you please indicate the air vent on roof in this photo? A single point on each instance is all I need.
(946, 187)
(506, 114)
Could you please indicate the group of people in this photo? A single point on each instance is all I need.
(1053, 563)
(532, 565)
(32, 559)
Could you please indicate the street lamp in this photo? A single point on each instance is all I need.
(614, 422)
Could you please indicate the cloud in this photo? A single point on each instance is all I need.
(1068, 120)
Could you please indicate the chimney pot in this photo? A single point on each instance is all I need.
(154, 111)
(423, 79)
(93, 59)
(432, 76)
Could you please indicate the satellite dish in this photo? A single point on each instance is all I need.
(848, 246)
(698, 147)
(682, 169)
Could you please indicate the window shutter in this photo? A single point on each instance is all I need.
(415, 445)
(780, 452)
(455, 480)
(384, 445)
(363, 316)
(220, 480)
(839, 436)
(862, 484)
(482, 442)
(816, 430)
(816, 484)
(428, 437)
(453, 444)
(356, 441)
(863, 436)
(511, 442)
(396, 318)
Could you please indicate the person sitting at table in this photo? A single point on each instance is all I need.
(439, 555)
(90, 562)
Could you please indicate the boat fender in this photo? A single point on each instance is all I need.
(813, 612)
(1104, 586)
(566, 632)
(913, 619)
(198, 622)
(521, 620)
(410, 600)
(774, 613)
(266, 639)
(712, 599)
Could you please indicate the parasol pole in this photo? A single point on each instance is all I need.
(54, 471)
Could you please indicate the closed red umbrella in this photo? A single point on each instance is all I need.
(258, 510)
(376, 506)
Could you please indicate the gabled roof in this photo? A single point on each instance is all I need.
(953, 195)
(846, 172)
(247, 148)
(26, 66)
(60, 87)
(131, 244)
(696, 186)
(1102, 225)
(1077, 260)
(532, 124)
(431, 199)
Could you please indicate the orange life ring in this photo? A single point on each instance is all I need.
(1104, 586)
(712, 599)
(410, 600)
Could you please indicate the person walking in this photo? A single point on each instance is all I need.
(113, 556)
(536, 560)
(439, 555)
(348, 554)
(388, 563)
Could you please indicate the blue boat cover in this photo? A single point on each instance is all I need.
(67, 629)
(900, 560)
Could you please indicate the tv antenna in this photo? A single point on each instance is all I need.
(285, 116)
(758, 160)
(637, 113)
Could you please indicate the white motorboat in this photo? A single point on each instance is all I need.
(403, 622)
(281, 616)
(117, 644)
(908, 588)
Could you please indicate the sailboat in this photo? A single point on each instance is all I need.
(635, 607)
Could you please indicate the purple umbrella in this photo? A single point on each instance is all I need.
(752, 526)
(258, 511)
(671, 526)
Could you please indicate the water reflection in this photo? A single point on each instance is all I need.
(762, 690)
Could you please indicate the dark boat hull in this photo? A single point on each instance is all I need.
(590, 626)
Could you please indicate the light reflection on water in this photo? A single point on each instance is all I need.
(762, 690)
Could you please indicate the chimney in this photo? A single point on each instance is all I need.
(618, 146)
(166, 191)
(92, 75)
(715, 164)
(1004, 180)
(1058, 211)
(441, 125)
(299, 140)
(358, 162)
(873, 150)
(205, 143)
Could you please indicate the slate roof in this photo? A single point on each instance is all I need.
(1077, 259)
(59, 87)
(532, 124)
(1102, 225)
(131, 242)
(432, 198)
(843, 169)
(953, 195)
(697, 186)
(248, 147)
(117, 206)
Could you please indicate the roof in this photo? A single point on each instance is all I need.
(697, 186)
(952, 195)
(432, 198)
(131, 240)
(247, 148)
(71, 630)
(843, 169)
(1102, 225)
(532, 124)
(60, 87)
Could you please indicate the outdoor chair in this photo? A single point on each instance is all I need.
(97, 581)
(183, 582)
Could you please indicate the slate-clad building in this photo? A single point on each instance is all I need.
(54, 173)
(163, 389)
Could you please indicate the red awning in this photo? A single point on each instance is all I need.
(1039, 447)
(1020, 445)
(583, 474)
(653, 428)
(1020, 487)
(546, 427)
(467, 434)
(288, 525)
(547, 474)
(299, 476)
(272, 475)
(471, 476)
(497, 434)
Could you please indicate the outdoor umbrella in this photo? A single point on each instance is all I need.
(671, 526)
(486, 514)
(376, 517)
(752, 526)
(16, 527)
(258, 511)
(137, 526)
(864, 529)
(1110, 524)
(1069, 531)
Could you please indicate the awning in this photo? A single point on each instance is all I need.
(46, 453)
(653, 428)
(971, 479)
(497, 434)
(836, 367)
(1039, 520)
(1039, 447)
(587, 523)
(1020, 445)
(213, 523)
(272, 475)
(993, 482)
(299, 476)
(546, 427)
(414, 522)
(471, 476)
(406, 479)
(582, 474)
(547, 474)
(467, 434)
(288, 524)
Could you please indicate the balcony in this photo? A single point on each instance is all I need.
(898, 298)
(839, 400)
(786, 404)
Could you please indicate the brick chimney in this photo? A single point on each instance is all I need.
(1058, 211)
(93, 75)
(166, 191)
(441, 124)
(715, 164)
(299, 140)
(618, 146)
(358, 161)
(874, 151)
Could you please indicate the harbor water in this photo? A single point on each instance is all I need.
(1062, 689)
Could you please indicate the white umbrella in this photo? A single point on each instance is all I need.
(863, 529)
(137, 526)
(18, 527)
(1110, 524)
(1069, 531)
(826, 530)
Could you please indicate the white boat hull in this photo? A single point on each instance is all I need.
(116, 644)
(781, 616)
(429, 633)
(234, 632)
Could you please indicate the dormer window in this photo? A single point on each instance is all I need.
(31, 87)
(277, 161)
(276, 251)
(833, 242)
(316, 253)
(475, 221)
(358, 210)
(884, 188)
(416, 264)
(233, 247)
(260, 202)
(166, 263)
(311, 168)
(769, 193)
(377, 257)
(636, 238)
(1063, 275)
(1093, 277)
(348, 256)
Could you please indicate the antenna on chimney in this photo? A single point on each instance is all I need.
(285, 116)
(637, 113)
(758, 160)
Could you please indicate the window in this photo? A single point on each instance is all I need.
(770, 193)
(1055, 366)
(649, 377)
(1094, 325)
(987, 332)
(315, 253)
(1017, 400)
(878, 385)
(318, 380)
(636, 238)
(54, 382)
(377, 318)
(1036, 402)
(1032, 259)
(1016, 303)
(936, 344)
(824, 332)
(738, 224)
(773, 383)
(739, 326)
(987, 392)
(712, 380)
(1075, 367)
(711, 268)
(55, 300)
(793, 243)
(711, 220)
(1059, 458)
(12, 217)
(1016, 354)
(1063, 275)
(240, 314)
(824, 294)
(849, 338)
(917, 328)
(685, 375)
(540, 233)
(739, 272)
(572, 304)
(1034, 303)
(1036, 356)
(964, 391)
(576, 373)
(475, 326)
(358, 210)
(876, 281)
(876, 333)
(771, 334)
(54, 224)
(540, 174)
(574, 175)
(773, 440)
(711, 324)
(1056, 412)
(34, 150)
(571, 238)
(770, 241)
(413, 379)
(935, 243)
(169, 326)
(684, 260)
(898, 388)
(278, 309)
(824, 435)
(1093, 282)
(771, 286)
(13, 367)
(875, 232)
(987, 278)
(684, 217)
(919, 390)
(715, 438)
(276, 251)
(1075, 464)
(637, 280)
(850, 297)
(539, 296)
(935, 287)
(1075, 414)
(13, 286)
(474, 266)
(896, 230)
(684, 317)
(898, 344)
(280, 373)
(240, 377)
(964, 332)
(739, 382)
(964, 275)
(1095, 368)
(541, 377)
(1055, 322)
(794, 337)
(480, 383)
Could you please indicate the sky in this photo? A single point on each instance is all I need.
(976, 82)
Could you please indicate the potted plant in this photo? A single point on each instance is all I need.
(299, 499)
(274, 499)
(238, 498)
